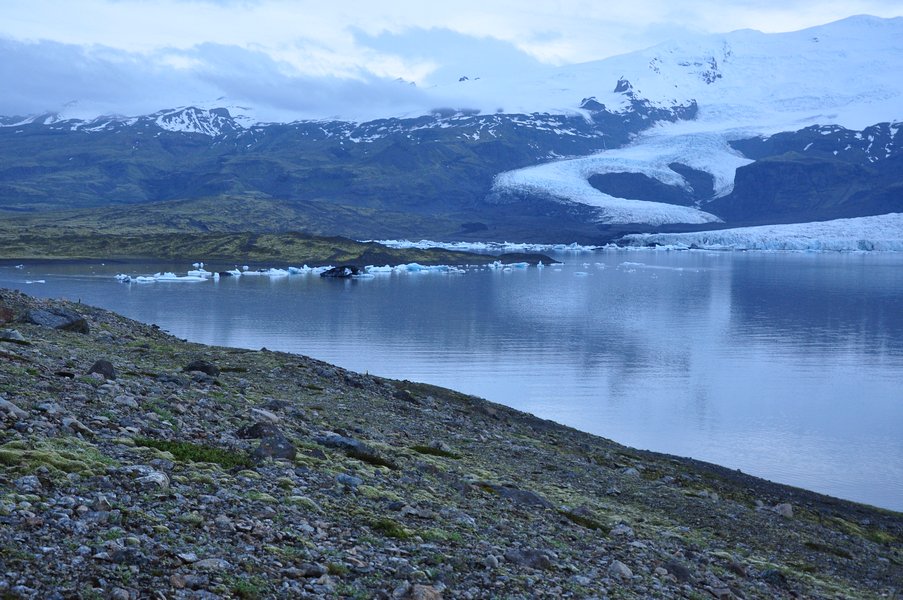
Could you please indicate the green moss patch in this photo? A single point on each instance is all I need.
(67, 454)
(390, 528)
(188, 452)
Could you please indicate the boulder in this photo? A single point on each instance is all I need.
(57, 318)
(620, 570)
(258, 431)
(11, 409)
(274, 447)
(12, 336)
(528, 557)
(103, 367)
(202, 366)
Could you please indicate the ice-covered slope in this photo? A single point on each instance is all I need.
(882, 232)
(745, 83)
(845, 73)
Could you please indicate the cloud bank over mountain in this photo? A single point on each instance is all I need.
(303, 59)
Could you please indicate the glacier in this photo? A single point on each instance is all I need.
(876, 233)
(745, 83)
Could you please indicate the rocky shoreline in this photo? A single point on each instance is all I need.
(136, 465)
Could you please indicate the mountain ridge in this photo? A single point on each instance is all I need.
(680, 135)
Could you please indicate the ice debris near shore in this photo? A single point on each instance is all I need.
(199, 274)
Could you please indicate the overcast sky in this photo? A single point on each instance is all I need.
(310, 57)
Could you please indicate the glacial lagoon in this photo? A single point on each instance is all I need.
(788, 366)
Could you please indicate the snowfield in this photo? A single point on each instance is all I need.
(881, 233)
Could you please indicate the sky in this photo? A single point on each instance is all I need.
(304, 59)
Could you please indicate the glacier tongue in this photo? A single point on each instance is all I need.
(882, 233)
(650, 155)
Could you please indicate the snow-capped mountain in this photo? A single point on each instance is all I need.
(708, 131)
(747, 85)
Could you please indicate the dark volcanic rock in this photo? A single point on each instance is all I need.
(534, 559)
(103, 367)
(342, 272)
(202, 366)
(275, 446)
(58, 318)
(258, 431)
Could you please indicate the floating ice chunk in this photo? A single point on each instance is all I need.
(384, 270)
(170, 276)
(200, 272)
(124, 278)
(20, 266)
(305, 270)
(581, 273)
(35, 281)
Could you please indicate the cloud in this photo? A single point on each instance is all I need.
(453, 54)
(87, 81)
(133, 56)
(50, 75)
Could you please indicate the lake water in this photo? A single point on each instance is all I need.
(787, 366)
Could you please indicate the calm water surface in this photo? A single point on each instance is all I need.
(786, 366)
